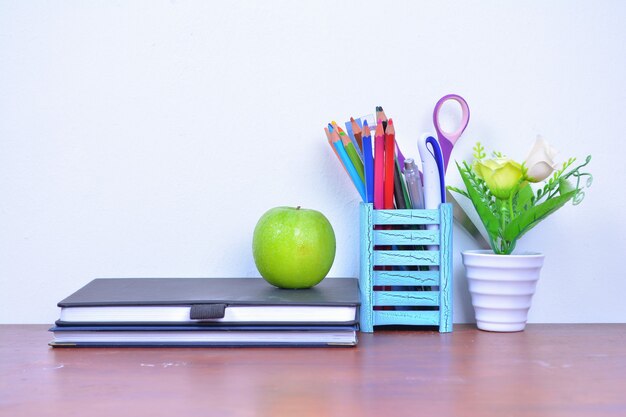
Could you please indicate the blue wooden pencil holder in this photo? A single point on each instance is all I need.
(406, 267)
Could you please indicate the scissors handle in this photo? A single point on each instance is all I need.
(454, 136)
(437, 155)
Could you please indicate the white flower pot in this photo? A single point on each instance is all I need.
(502, 287)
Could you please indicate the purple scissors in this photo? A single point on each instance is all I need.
(447, 140)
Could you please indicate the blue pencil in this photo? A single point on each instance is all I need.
(368, 161)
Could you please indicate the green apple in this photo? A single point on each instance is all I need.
(293, 247)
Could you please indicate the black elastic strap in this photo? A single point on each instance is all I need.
(207, 311)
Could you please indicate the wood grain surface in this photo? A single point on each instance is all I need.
(547, 370)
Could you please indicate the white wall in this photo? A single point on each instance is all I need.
(146, 138)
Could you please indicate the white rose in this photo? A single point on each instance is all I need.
(540, 161)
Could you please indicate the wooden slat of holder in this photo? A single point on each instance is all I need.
(411, 261)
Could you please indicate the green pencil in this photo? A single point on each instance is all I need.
(403, 187)
(352, 153)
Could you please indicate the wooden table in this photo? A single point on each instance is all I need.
(547, 370)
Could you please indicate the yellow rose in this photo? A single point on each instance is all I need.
(502, 175)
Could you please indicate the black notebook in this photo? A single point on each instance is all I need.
(209, 301)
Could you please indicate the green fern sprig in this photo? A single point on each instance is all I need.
(458, 190)
(479, 151)
(580, 195)
(551, 187)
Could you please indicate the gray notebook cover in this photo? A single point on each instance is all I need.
(190, 291)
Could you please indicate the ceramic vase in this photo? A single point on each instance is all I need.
(502, 287)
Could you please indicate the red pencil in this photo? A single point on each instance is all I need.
(379, 166)
(390, 155)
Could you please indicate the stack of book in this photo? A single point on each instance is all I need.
(208, 312)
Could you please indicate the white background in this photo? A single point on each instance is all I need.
(145, 139)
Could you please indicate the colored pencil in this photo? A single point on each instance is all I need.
(330, 142)
(347, 163)
(380, 115)
(350, 133)
(352, 154)
(403, 186)
(379, 166)
(358, 134)
(398, 196)
(368, 160)
(390, 156)
(400, 167)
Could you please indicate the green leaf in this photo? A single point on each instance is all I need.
(480, 202)
(524, 196)
(565, 186)
(531, 217)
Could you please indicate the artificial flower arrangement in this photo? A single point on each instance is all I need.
(500, 190)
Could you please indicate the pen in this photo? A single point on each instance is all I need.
(430, 153)
(416, 195)
(413, 184)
